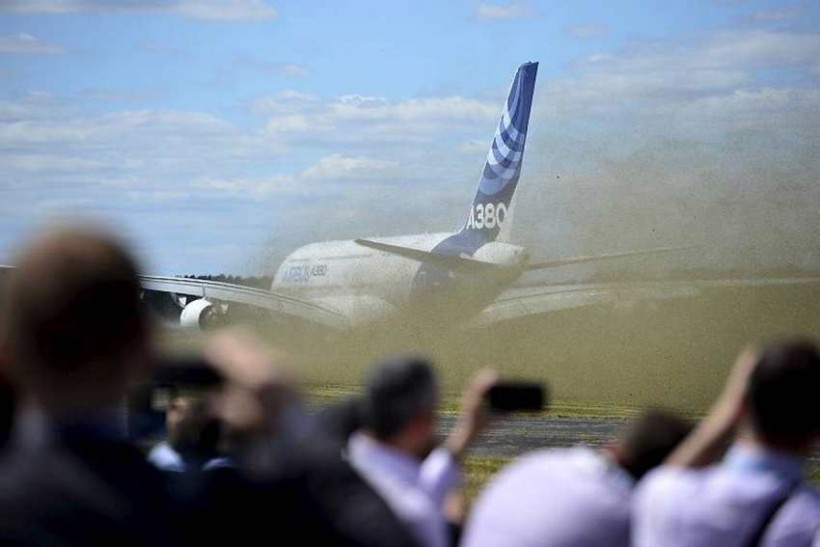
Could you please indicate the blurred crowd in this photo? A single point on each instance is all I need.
(243, 461)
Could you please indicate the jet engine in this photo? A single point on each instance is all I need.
(199, 314)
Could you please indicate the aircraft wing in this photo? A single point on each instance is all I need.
(529, 301)
(455, 263)
(598, 258)
(276, 303)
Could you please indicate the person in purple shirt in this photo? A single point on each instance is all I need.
(572, 496)
(395, 449)
(757, 494)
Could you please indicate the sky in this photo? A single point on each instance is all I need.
(217, 136)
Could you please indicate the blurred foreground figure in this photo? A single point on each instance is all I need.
(757, 495)
(574, 496)
(289, 480)
(395, 450)
(192, 436)
(74, 336)
(7, 403)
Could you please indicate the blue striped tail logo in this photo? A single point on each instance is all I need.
(492, 206)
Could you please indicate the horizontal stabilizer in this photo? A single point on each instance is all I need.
(457, 264)
(581, 259)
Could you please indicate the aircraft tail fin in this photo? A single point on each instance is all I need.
(490, 216)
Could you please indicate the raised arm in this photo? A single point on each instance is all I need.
(706, 444)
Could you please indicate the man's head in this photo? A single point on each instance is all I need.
(74, 328)
(399, 404)
(179, 408)
(191, 426)
(649, 440)
(781, 396)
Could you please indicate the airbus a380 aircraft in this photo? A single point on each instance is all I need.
(347, 283)
(465, 278)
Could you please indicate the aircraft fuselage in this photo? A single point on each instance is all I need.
(368, 284)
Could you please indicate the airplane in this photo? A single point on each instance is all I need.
(470, 277)
(341, 284)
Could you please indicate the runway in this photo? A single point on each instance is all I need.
(513, 435)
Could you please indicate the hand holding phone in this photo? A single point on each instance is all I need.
(517, 396)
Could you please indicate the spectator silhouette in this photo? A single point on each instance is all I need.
(757, 494)
(192, 436)
(395, 449)
(74, 336)
(572, 496)
(290, 480)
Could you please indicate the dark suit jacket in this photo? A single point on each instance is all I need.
(330, 490)
(83, 491)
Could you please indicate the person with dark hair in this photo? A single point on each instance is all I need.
(757, 494)
(7, 404)
(74, 336)
(573, 496)
(395, 449)
(192, 436)
(287, 479)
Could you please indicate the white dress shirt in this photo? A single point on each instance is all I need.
(561, 497)
(414, 490)
(723, 505)
(163, 457)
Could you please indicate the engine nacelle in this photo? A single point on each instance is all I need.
(198, 314)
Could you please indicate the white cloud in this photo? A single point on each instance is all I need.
(359, 118)
(226, 10)
(475, 146)
(338, 167)
(503, 12)
(158, 124)
(48, 163)
(210, 10)
(589, 31)
(271, 67)
(26, 43)
(258, 188)
(782, 14)
(667, 75)
(283, 102)
(34, 105)
(314, 181)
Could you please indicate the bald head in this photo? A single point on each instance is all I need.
(72, 312)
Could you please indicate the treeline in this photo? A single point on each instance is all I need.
(260, 282)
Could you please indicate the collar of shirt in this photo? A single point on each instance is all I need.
(600, 463)
(166, 458)
(366, 451)
(749, 458)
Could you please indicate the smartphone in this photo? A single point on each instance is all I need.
(517, 396)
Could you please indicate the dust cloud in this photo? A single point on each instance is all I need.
(672, 353)
(746, 195)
